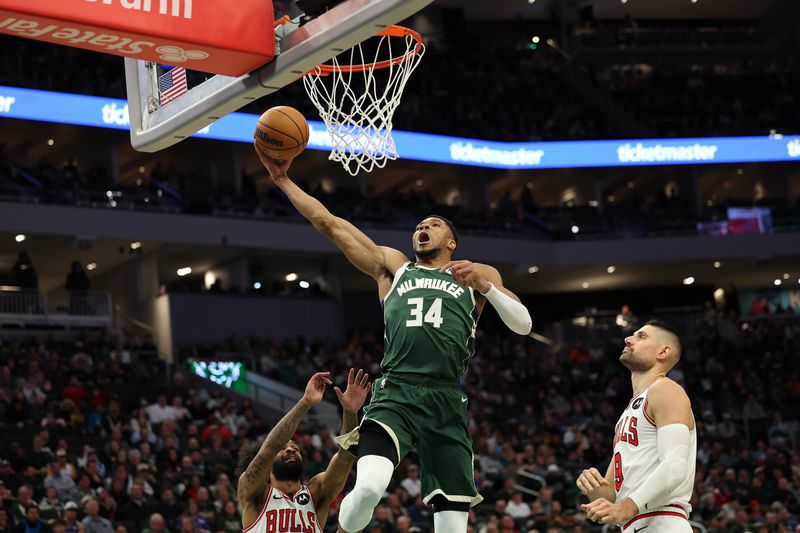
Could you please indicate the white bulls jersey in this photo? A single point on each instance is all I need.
(636, 456)
(282, 514)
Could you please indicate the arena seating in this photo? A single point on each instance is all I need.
(537, 418)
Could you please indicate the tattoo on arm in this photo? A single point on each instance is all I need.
(254, 478)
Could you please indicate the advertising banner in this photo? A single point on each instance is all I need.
(229, 38)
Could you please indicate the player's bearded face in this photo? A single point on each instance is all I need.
(288, 466)
(633, 358)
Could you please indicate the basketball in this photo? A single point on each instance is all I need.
(282, 132)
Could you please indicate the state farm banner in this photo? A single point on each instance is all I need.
(215, 36)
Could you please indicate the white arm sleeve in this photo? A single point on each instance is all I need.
(514, 314)
(673, 453)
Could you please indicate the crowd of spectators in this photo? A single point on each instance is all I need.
(696, 100)
(518, 90)
(96, 436)
(166, 189)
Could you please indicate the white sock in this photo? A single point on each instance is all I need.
(373, 475)
(450, 521)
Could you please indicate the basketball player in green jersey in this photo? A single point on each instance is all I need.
(430, 307)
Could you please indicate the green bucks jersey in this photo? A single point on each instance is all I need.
(430, 324)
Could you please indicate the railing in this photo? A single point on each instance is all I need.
(526, 479)
(601, 325)
(59, 307)
(282, 398)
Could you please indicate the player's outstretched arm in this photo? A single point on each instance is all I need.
(327, 485)
(671, 411)
(371, 259)
(254, 480)
(487, 281)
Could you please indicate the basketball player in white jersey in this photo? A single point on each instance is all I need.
(649, 482)
(271, 493)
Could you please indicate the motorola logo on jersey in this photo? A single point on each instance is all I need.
(637, 402)
(302, 498)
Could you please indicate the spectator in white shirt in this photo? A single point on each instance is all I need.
(412, 483)
(517, 508)
(160, 411)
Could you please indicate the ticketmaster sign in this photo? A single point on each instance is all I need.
(238, 127)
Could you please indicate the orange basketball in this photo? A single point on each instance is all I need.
(282, 131)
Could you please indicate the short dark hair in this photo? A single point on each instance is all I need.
(448, 223)
(669, 328)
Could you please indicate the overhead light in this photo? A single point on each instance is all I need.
(419, 183)
(688, 281)
(51, 142)
(624, 1)
(136, 245)
(257, 285)
(304, 284)
(535, 39)
(291, 277)
(786, 276)
(611, 269)
(777, 282)
(717, 264)
(185, 271)
(91, 266)
(585, 285)
(531, 1)
(575, 229)
(612, 199)
(20, 238)
(141, 170)
(533, 270)
(693, 1)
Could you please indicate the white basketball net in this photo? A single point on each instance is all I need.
(357, 108)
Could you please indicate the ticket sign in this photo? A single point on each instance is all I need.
(230, 38)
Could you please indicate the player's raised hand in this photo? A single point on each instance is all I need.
(590, 480)
(277, 168)
(316, 387)
(356, 392)
(466, 274)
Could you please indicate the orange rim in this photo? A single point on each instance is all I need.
(389, 31)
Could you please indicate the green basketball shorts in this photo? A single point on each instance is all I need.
(430, 415)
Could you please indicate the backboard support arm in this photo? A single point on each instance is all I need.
(299, 51)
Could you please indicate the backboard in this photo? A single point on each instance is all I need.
(298, 50)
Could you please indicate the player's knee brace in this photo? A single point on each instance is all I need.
(372, 477)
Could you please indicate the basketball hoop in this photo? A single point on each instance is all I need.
(356, 106)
